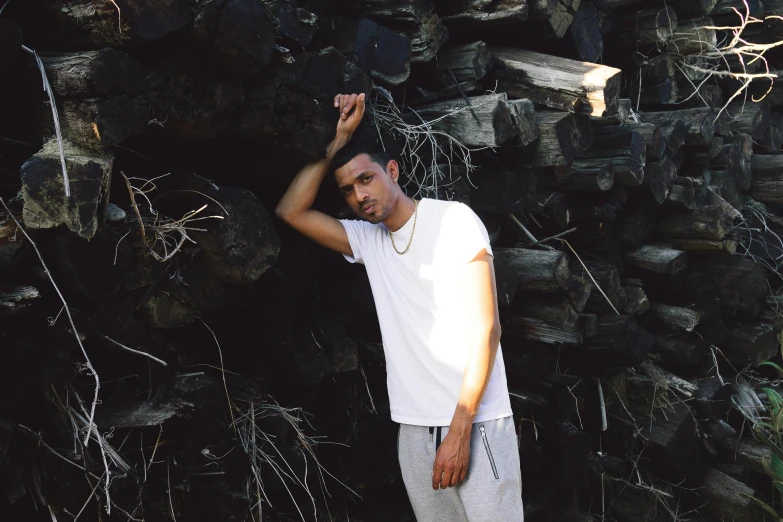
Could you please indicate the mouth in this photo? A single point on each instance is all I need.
(368, 210)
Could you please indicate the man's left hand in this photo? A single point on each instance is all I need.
(451, 461)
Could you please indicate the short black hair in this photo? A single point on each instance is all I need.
(365, 141)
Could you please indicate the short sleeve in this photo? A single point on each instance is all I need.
(471, 234)
(357, 237)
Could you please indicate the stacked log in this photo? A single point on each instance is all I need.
(632, 201)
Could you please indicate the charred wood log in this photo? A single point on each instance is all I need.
(588, 325)
(582, 176)
(773, 137)
(556, 145)
(738, 284)
(624, 335)
(675, 317)
(537, 270)
(468, 61)
(728, 497)
(631, 505)
(487, 122)
(194, 108)
(417, 20)
(651, 133)
(627, 154)
(554, 205)
(172, 305)
(767, 183)
(681, 348)
(294, 22)
(713, 398)
(578, 293)
(476, 13)
(98, 25)
(499, 191)
(723, 185)
(710, 222)
(674, 439)
(608, 278)
(650, 27)
(700, 122)
(14, 300)
(752, 343)
(284, 107)
(682, 195)
(537, 330)
(705, 246)
(750, 118)
(693, 36)
(523, 115)
(240, 247)
(636, 301)
(45, 204)
(93, 74)
(659, 176)
(380, 52)
(657, 258)
(95, 123)
(602, 206)
(555, 310)
(744, 451)
(620, 114)
(587, 31)
(575, 86)
(243, 31)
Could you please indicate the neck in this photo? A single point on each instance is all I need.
(401, 212)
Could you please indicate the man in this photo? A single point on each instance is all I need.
(430, 268)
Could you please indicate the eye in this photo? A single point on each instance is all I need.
(365, 180)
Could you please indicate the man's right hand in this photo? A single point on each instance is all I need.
(351, 108)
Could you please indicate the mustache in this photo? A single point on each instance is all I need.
(367, 205)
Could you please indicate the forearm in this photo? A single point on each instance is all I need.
(301, 194)
(478, 370)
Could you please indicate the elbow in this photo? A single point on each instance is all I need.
(282, 213)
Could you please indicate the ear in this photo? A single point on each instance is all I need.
(394, 170)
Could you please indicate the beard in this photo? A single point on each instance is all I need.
(379, 213)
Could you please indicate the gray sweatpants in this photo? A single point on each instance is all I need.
(492, 490)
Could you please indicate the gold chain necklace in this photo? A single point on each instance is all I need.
(410, 239)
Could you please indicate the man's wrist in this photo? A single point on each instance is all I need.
(339, 141)
(462, 423)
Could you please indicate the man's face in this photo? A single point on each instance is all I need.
(367, 187)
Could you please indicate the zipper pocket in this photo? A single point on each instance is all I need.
(489, 451)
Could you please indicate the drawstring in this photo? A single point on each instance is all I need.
(437, 437)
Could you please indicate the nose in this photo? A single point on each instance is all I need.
(361, 195)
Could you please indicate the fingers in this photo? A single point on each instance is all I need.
(349, 104)
(360, 104)
(346, 102)
(437, 474)
(446, 475)
(449, 478)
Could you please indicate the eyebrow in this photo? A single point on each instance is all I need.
(358, 176)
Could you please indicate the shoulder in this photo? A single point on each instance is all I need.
(361, 230)
(449, 209)
(455, 212)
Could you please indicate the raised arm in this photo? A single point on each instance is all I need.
(294, 206)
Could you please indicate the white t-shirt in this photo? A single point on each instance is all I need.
(422, 316)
